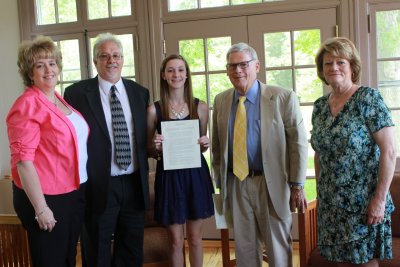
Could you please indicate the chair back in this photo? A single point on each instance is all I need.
(14, 249)
(395, 193)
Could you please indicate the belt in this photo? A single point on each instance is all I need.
(255, 173)
(251, 172)
(126, 175)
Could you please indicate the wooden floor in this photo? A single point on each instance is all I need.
(213, 256)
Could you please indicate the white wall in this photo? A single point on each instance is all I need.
(10, 88)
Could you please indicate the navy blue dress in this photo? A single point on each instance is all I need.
(184, 194)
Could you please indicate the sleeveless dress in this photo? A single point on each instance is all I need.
(183, 194)
(349, 163)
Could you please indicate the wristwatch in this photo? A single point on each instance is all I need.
(297, 186)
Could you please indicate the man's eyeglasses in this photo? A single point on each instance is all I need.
(108, 56)
(242, 65)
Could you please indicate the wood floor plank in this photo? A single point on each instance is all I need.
(213, 256)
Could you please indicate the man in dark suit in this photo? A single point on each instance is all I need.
(117, 194)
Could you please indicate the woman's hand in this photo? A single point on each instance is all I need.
(204, 143)
(157, 143)
(376, 210)
(45, 219)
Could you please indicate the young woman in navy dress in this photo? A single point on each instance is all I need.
(182, 196)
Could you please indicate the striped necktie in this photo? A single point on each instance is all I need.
(240, 162)
(120, 130)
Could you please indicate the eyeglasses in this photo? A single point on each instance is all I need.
(242, 65)
(108, 56)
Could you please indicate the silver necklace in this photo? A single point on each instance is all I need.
(178, 115)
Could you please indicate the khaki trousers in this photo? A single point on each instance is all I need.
(255, 222)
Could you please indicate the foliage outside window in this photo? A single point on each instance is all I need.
(179, 5)
(100, 9)
(289, 63)
(388, 63)
(55, 11)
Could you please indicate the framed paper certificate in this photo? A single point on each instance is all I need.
(180, 147)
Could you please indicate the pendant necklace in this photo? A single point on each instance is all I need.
(178, 115)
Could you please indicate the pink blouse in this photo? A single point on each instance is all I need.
(38, 131)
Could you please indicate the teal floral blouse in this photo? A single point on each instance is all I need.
(349, 162)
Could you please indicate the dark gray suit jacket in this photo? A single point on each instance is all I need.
(85, 97)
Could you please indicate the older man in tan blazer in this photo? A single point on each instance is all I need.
(259, 202)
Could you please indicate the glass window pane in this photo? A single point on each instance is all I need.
(282, 78)
(218, 83)
(214, 3)
(389, 82)
(277, 49)
(396, 120)
(310, 188)
(67, 11)
(217, 48)
(60, 88)
(45, 12)
(207, 156)
(128, 70)
(71, 61)
(306, 112)
(98, 9)
(175, 5)
(388, 33)
(308, 86)
(193, 52)
(120, 8)
(240, 2)
(391, 95)
(306, 45)
(199, 87)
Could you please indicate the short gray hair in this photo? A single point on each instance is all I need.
(241, 47)
(105, 37)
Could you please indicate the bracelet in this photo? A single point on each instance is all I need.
(40, 213)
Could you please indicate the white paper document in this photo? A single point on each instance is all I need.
(180, 147)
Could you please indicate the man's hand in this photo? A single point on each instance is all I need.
(297, 200)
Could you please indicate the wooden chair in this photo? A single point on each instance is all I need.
(14, 249)
(226, 257)
(309, 254)
(156, 241)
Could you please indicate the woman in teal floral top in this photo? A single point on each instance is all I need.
(353, 139)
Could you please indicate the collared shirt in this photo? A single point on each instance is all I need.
(252, 105)
(105, 95)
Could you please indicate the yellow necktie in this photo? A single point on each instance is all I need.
(240, 162)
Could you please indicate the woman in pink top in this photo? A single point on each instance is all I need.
(48, 158)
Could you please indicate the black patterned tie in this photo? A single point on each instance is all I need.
(121, 134)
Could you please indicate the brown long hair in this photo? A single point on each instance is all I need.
(188, 91)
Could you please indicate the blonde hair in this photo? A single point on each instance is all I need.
(343, 48)
(41, 47)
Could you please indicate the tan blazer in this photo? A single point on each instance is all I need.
(284, 144)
